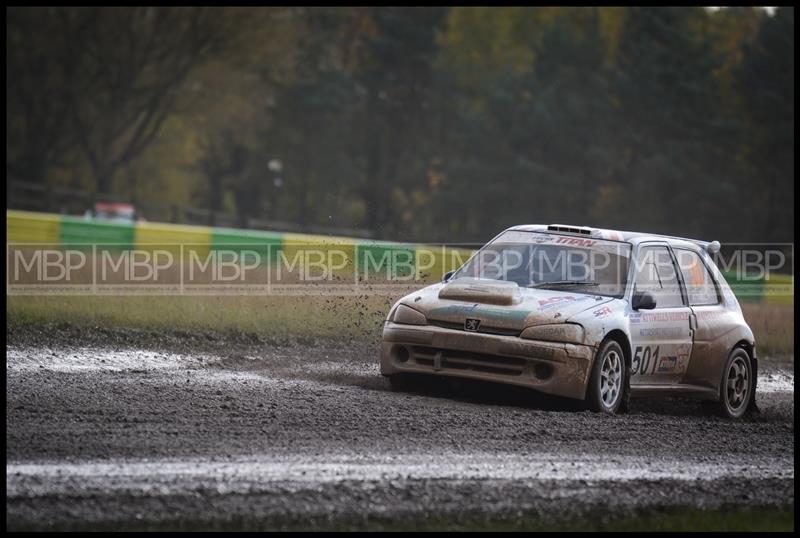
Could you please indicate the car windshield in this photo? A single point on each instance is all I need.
(550, 261)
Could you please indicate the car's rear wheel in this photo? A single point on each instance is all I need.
(736, 388)
(608, 381)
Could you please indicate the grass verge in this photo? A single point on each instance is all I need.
(268, 316)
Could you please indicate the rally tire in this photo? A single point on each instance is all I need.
(609, 382)
(736, 389)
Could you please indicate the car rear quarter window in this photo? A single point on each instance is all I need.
(700, 287)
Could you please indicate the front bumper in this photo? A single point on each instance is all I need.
(553, 368)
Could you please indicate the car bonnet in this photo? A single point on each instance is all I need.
(506, 307)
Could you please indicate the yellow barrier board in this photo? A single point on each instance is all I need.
(194, 240)
(779, 289)
(30, 227)
(308, 251)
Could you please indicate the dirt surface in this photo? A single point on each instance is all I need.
(137, 429)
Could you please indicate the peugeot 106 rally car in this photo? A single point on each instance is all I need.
(583, 313)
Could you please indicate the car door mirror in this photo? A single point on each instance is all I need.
(447, 276)
(643, 300)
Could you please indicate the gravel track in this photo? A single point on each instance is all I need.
(135, 428)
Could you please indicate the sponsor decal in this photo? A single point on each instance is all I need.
(472, 324)
(561, 300)
(683, 356)
(576, 241)
(552, 332)
(477, 311)
(667, 364)
(711, 314)
(647, 360)
(646, 317)
(663, 332)
(602, 312)
(541, 238)
(453, 310)
(551, 300)
(635, 317)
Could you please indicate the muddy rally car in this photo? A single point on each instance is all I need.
(596, 315)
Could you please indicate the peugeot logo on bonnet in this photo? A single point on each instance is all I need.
(472, 324)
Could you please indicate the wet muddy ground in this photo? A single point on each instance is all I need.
(139, 429)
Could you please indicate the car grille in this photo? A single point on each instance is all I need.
(483, 329)
(467, 360)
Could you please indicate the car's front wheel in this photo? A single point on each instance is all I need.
(608, 383)
(736, 389)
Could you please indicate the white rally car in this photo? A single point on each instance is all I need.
(584, 313)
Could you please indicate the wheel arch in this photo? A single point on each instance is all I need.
(750, 348)
(619, 336)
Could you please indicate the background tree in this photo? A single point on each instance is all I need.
(766, 80)
(395, 52)
(133, 62)
(39, 75)
(420, 124)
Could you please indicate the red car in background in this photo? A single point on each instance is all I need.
(113, 212)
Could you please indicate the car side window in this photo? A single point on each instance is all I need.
(655, 273)
(700, 286)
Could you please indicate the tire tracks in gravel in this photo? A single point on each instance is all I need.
(307, 430)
